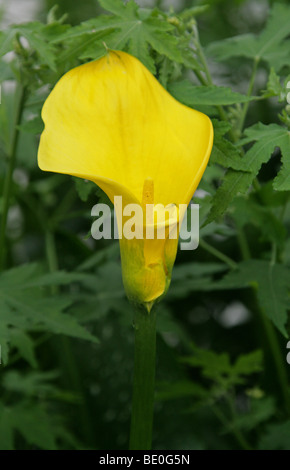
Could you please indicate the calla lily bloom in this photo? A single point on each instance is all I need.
(110, 121)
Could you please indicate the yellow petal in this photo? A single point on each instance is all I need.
(111, 119)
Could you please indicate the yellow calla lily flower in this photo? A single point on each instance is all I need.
(110, 121)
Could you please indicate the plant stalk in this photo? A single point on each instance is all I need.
(20, 96)
(143, 380)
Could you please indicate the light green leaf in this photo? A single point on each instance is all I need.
(32, 383)
(224, 152)
(191, 95)
(219, 369)
(6, 41)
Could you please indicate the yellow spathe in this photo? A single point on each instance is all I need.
(110, 121)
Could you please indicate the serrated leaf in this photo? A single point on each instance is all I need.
(234, 182)
(32, 383)
(225, 153)
(26, 305)
(191, 95)
(264, 46)
(6, 41)
(33, 32)
(118, 8)
(267, 138)
(219, 369)
(25, 346)
(139, 33)
(272, 282)
(274, 87)
(247, 211)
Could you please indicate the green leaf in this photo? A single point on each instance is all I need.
(30, 384)
(6, 41)
(219, 369)
(264, 46)
(33, 126)
(267, 138)
(139, 32)
(118, 8)
(34, 424)
(225, 153)
(191, 95)
(26, 305)
(6, 429)
(84, 188)
(234, 182)
(248, 211)
(260, 411)
(34, 33)
(24, 344)
(105, 290)
(188, 277)
(272, 282)
(274, 87)
(276, 437)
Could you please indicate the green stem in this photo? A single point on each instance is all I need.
(11, 164)
(51, 254)
(244, 247)
(143, 380)
(208, 80)
(249, 92)
(239, 435)
(226, 423)
(218, 254)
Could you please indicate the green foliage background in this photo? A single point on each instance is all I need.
(65, 325)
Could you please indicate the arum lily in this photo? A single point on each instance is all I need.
(111, 122)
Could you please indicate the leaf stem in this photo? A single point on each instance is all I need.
(226, 423)
(208, 80)
(218, 254)
(143, 380)
(249, 92)
(20, 97)
(239, 435)
(243, 243)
